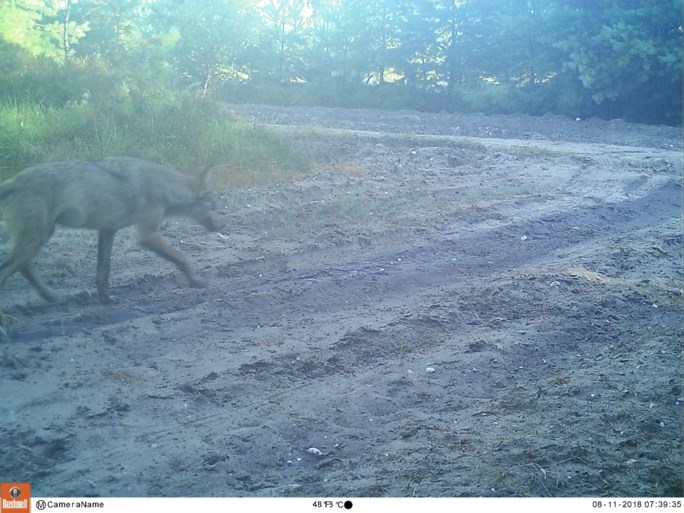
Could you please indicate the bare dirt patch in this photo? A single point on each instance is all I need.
(448, 306)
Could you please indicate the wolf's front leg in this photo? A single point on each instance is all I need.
(105, 241)
(154, 242)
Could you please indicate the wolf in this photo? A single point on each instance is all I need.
(104, 195)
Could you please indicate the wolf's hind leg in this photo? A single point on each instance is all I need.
(46, 292)
(25, 248)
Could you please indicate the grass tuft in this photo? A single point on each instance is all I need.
(182, 132)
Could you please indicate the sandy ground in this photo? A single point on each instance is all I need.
(458, 305)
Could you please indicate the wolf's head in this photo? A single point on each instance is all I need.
(203, 208)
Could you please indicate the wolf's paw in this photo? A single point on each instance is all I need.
(48, 294)
(198, 283)
(4, 321)
(107, 299)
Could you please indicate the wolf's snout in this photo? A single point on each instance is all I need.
(213, 222)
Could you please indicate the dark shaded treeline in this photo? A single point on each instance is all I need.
(612, 59)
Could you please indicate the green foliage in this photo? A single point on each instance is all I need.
(183, 132)
(19, 26)
(30, 133)
(628, 57)
(212, 37)
(284, 38)
(579, 58)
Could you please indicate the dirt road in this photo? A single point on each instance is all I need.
(456, 305)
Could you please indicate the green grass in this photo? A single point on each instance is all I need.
(182, 132)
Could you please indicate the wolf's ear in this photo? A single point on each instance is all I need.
(204, 176)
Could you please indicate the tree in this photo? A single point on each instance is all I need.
(285, 36)
(610, 58)
(63, 30)
(20, 26)
(628, 58)
(213, 36)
